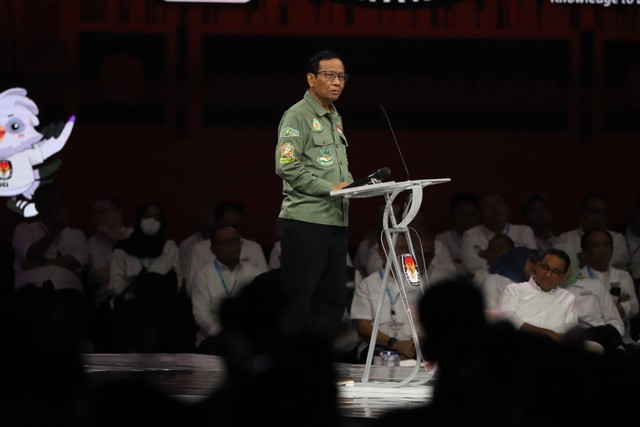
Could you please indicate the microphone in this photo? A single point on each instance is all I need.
(379, 175)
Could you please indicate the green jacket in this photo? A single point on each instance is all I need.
(311, 156)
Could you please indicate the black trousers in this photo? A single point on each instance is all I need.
(313, 268)
(605, 335)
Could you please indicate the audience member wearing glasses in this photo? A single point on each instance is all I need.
(215, 281)
(539, 306)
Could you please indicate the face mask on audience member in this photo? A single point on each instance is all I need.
(149, 226)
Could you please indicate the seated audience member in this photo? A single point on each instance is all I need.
(206, 223)
(107, 216)
(598, 317)
(594, 214)
(538, 214)
(232, 213)
(226, 275)
(495, 214)
(498, 245)
(597, 250)
(145, 283)
(539, 306)
(515, 266)
(465, 214)
(229, 213)
(394, 329)
(48, 250)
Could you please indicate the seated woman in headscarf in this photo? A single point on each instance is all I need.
(145, 280)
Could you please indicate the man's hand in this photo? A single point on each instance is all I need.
(339, 186)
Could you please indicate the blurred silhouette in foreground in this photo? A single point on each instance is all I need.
(277, 370)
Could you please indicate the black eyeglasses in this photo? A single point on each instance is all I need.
(331, 75)
(554, 271)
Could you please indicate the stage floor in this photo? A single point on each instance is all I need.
(191, 377)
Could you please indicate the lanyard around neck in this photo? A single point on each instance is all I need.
(391, 301)
(218, 269)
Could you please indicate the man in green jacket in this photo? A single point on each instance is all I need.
(311, 159)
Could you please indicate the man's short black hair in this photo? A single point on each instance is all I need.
(560, 254)
(323, 55)
(584, 240)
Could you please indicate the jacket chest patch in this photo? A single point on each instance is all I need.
(316, 125)
(325, 158)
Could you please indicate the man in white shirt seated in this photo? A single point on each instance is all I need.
(214, 281)
(539, 306)
(230, 213)
(598, 317)
(394, 329)
(597, 250)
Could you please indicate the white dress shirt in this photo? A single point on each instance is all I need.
(492, 287)
(624, 280)
(526, 302)
(393, 317)
(595, 306)
(251, 252)
(213, 283)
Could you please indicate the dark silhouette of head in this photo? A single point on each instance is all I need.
(453, 318)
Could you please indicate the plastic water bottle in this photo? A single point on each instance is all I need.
(390, 358)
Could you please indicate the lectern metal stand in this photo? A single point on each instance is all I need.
(391, 228)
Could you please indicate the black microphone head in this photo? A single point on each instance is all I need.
(383, 173)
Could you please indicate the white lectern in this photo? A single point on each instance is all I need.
(391, 228)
